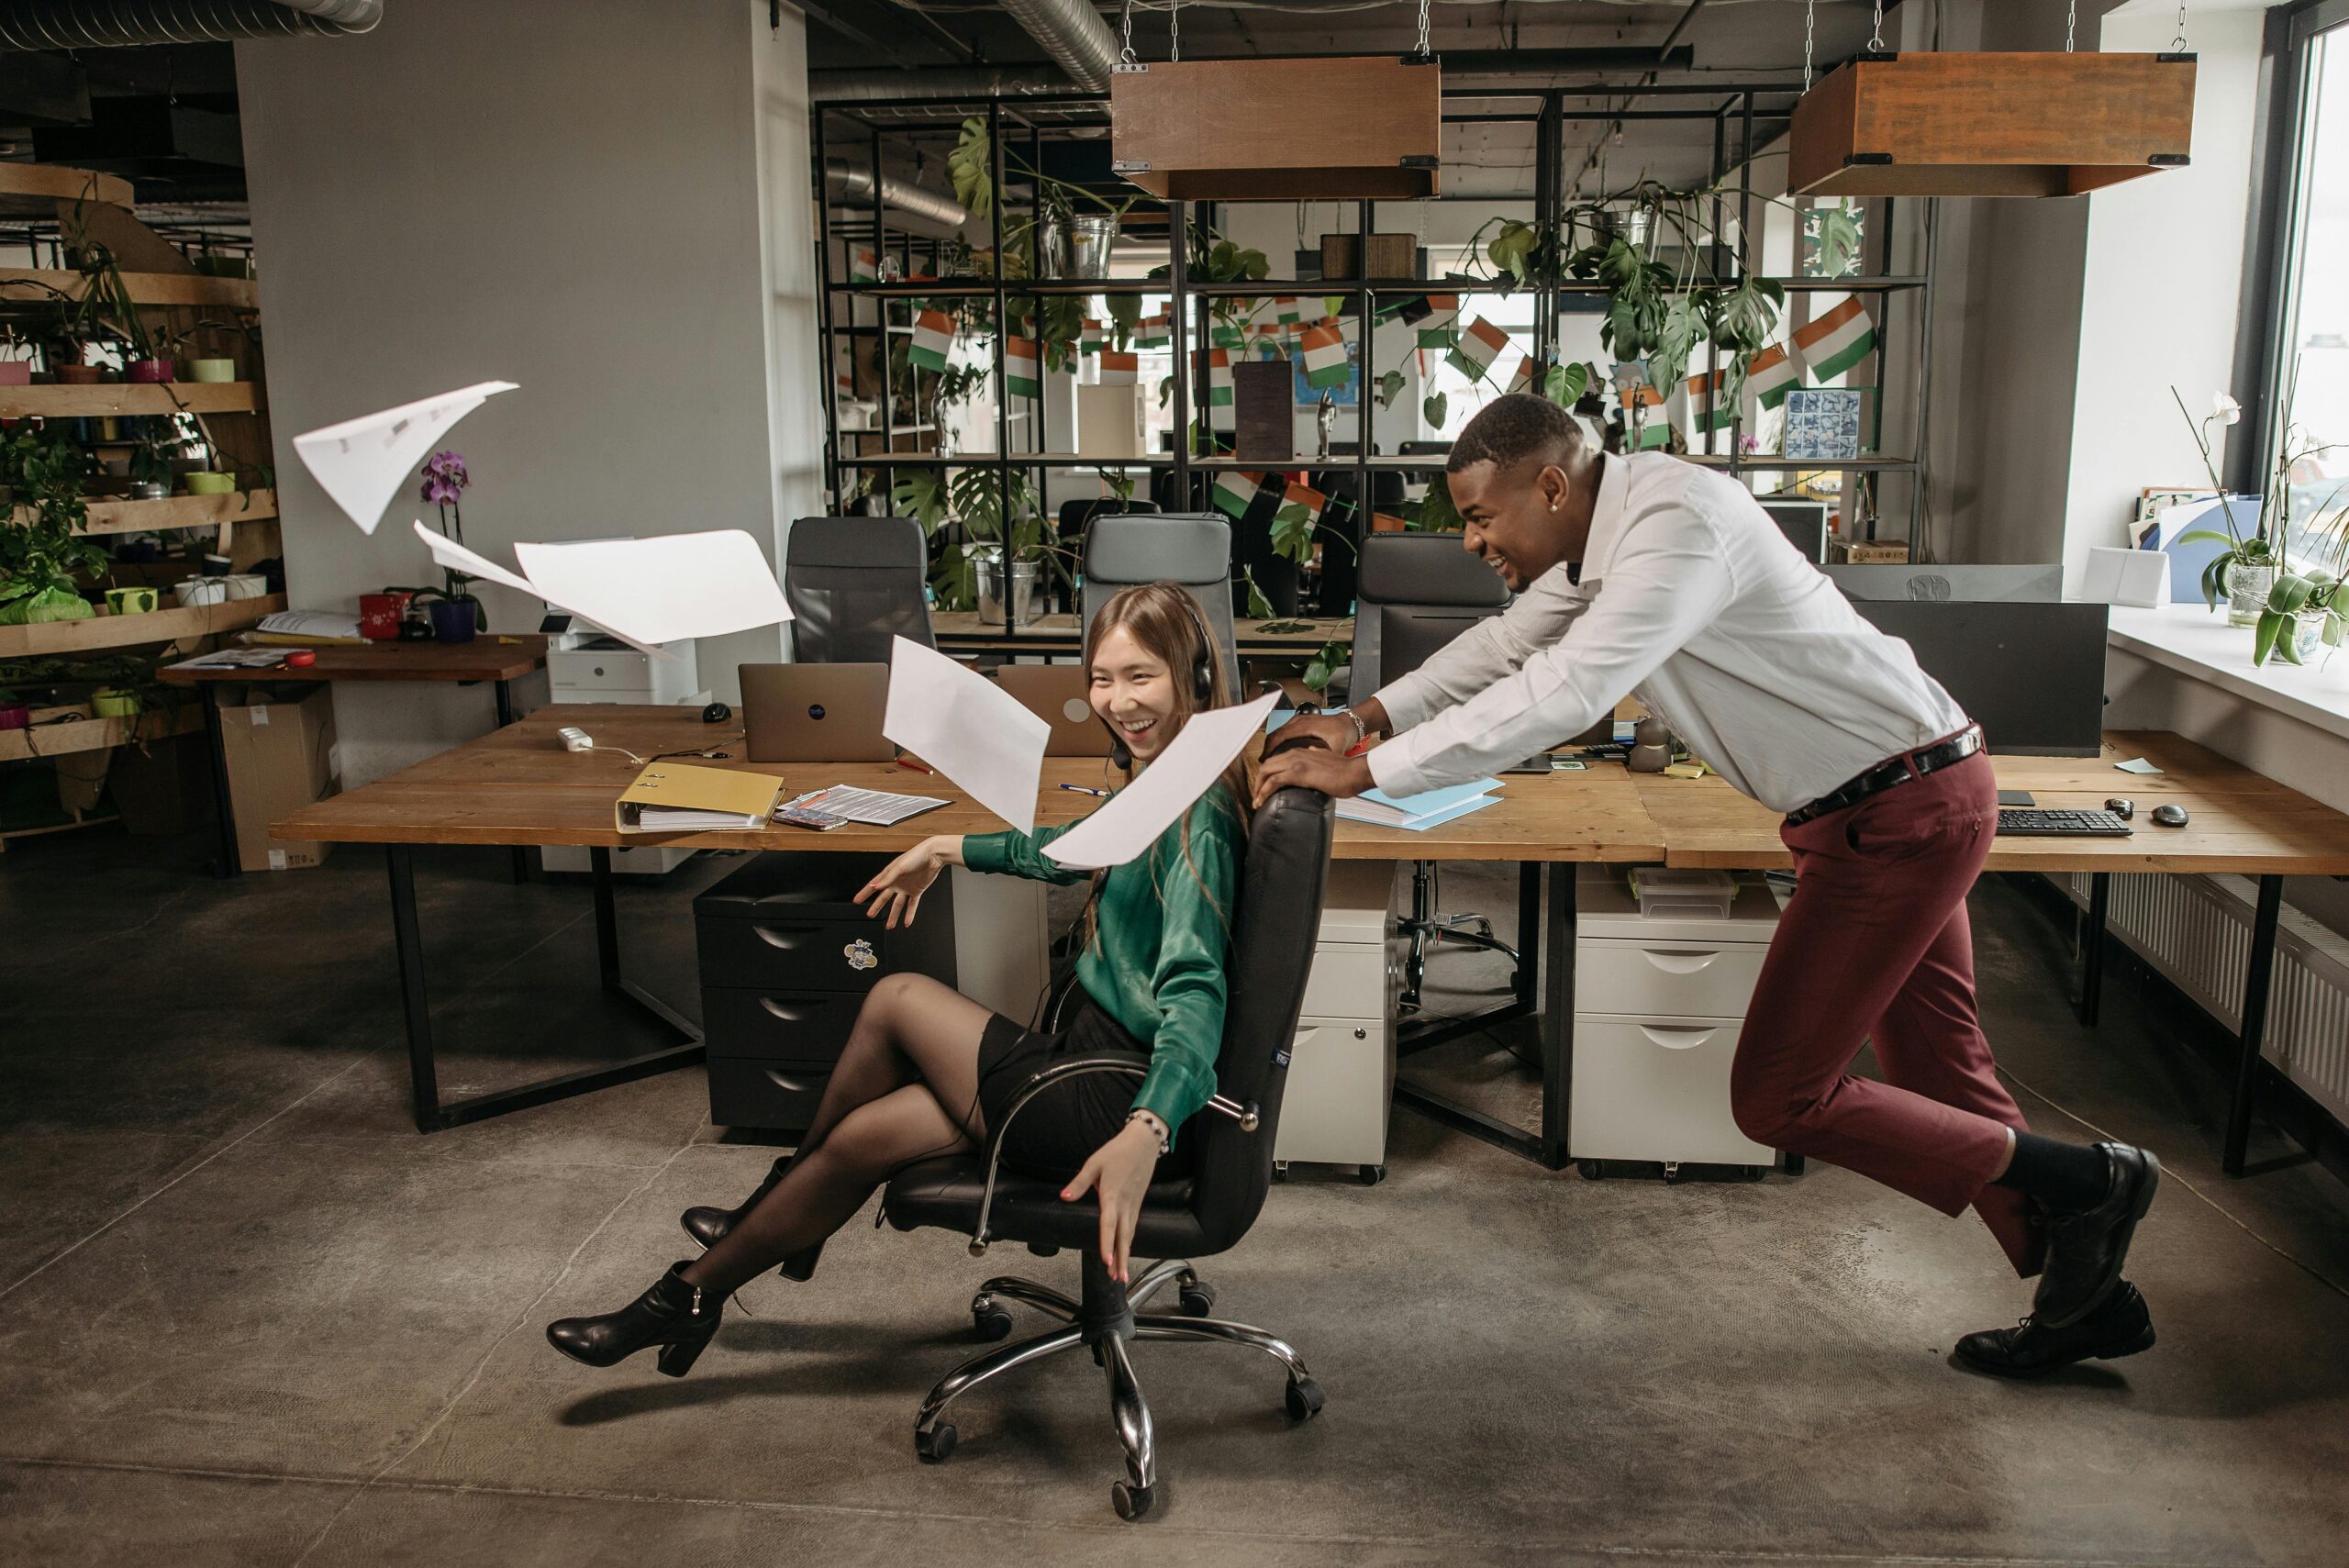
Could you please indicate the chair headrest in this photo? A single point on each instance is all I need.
(886, 543)
(1425, 569)
(1182, 547)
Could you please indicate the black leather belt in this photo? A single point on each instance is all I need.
(1893, 771)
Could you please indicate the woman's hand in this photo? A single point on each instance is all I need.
(1121, 1170)
(896, 891)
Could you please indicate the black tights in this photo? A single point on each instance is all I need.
(906, 1087)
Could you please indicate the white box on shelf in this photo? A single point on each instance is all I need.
(2139, 579)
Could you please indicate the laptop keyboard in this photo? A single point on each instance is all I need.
(2045, 823)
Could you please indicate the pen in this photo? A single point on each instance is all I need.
(1080, 789)
(914, 767)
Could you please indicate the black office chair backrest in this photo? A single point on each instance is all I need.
(853, 585)
(1274, 928)
(1193, 549)
(1418, 591)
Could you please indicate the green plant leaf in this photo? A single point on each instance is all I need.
(2332, 634)
(1316, 673)
(1390, 387)
(1433, 407)
(2205, 536)
(1565, 383)
(2264, 639)
(1436, 513)
(1292, 533)
(972, 167)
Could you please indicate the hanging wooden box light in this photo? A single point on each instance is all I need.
(1991, 125)
(1352, 127)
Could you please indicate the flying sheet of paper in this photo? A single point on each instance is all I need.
(967, 728)
(362, 463)
(643, 591)
(1157, 799)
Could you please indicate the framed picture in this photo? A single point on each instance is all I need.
(1822, 423)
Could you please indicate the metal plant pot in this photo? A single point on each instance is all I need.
(989, 577)
(1091, 237)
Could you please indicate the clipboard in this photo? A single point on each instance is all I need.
(732, 798)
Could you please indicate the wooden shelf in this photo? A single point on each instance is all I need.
(43, 284)
(33, 190)
(127, 397)
(128, 517)
(55, 740)
(95, 632)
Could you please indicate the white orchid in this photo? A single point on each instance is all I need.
(2225, 409)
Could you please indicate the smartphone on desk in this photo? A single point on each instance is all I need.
(807, 817)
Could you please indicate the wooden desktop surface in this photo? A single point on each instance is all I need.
(519, 786)
(485, 657)
(962, 629)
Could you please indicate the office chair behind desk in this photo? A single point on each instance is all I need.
(854, 583)
(1184, 1216)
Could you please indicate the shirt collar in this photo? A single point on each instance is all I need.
(1606, 513)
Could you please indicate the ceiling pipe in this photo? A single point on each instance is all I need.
(1074, 34)
(946, 83)
(853, 187)
(123, 23)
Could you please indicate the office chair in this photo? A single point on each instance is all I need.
(1076, 520)
(1341, 567)
(1193, 549)
(853, 584)
(1184, 1216)
(1419, 592)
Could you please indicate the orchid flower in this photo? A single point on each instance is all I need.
(2225, 409)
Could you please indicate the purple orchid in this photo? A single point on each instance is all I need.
(445, 478)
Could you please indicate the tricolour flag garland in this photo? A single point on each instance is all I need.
(1218, 378)
(1521, 378)
(1771, 376)
(1284, 310)
(1019, 377)
(1304, 495)
(1155, 331)
(1119, 370)
(1477, 348)
(933, 340)
(1324, 350)
(1093, 336)
(1655, 428)
(1235, 491)
(1440, 326)
(1836, 341)
(1710, 406)
(862, 267)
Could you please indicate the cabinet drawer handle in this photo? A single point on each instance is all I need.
(1679, 961)
(1677, 1039)
(783, 936)
(790, 1012)
(796, 1086)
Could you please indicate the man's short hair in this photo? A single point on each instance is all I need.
(1512, 428)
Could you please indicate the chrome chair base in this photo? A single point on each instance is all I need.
(1425, 928)
(1105, 1322)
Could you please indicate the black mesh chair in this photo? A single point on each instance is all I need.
(1193, 549)
(1205, 1210)
(853, 584)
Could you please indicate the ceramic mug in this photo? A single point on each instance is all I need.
(197, 590)
(247, 585)
(380, 616)
(207, 482)
(212, 370)
(150, 371)
(129, 601)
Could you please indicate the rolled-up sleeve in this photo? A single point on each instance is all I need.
(1014, 853)
(1665, 582)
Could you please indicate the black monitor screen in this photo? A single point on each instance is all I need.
(1409, 636)
(2032, 674)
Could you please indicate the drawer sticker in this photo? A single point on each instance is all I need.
(860, 955)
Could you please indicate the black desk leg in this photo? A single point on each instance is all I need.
(2092, 945)
(224, 811)
(2254, 1019)
(1529, 920)
(1557, 1012)
(424, 1083)
(505, 717)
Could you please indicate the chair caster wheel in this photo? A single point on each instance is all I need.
(990, 1322)
(1131, 1502)
(1370, 1175)
(1197, 1300)
(1591, 1170)
(1303, 1400)
(935, 1444)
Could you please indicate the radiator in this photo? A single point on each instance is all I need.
(2195, 930)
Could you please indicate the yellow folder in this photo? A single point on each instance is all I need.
(675, 792)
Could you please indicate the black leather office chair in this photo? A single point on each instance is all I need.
(1182, 1218)
(1341, 566)
(1193, 549)
(1419, 591)
(853, 584)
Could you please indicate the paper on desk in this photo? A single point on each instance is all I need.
(643, 591)
(1164, 791)
(967, 728)
(2137, 765)
(362, 462)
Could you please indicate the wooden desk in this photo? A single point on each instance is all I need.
(489, 658)
(962, 631)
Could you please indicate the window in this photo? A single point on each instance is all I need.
(2311, 361)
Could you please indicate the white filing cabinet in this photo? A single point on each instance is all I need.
(1342, 1069)
(1658, 1006)
(621, 674)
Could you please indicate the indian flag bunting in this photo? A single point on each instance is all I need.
(1324, 351)
(1020, 376)
(1284, 310)
(1155, 331)
(862, 267)
(1771, 376)
(1218, 373)
(1305, 496)
(1119, 370)
(1522, 379)
(1091, 342)
(1439, 322)
(1387, 523)
(1655, 428)
(1710, 406)
(1235, 491)
(933, 340)
(1477, 348)
(1836, 341)
(1224, 335)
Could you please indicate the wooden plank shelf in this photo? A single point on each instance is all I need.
(95, 632)
(57, 740)
(43, 284)
(125, 516)
(33, 190)
(128, 398)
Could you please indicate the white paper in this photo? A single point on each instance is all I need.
(1165, 790)
(362, 462)
(967, 728)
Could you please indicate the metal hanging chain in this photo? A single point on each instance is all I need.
(1175, 31)
(2178, 44)
(1809, 26)
(1126, 21)
(2071, 25)
(1875, 38)
(1423, 27)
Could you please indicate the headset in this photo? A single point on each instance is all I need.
(1202, 678)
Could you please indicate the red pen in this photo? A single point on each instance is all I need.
(915, 767)
(1357, 749)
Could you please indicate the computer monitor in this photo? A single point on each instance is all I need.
(1952, 584)
(1409, 635)
(2030, 673)
(1803, 522)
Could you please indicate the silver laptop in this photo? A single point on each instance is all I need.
(815, 712)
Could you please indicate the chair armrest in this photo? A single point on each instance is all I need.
(1060, 1071)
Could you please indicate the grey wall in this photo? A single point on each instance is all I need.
(578, 196)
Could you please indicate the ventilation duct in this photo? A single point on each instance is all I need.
(946, 85)
(853, 187)
(121, 24)
(1074, 34)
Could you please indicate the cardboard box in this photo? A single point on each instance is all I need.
(281, 757)
(1867, 552)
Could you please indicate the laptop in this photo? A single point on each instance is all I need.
(815, 712)
(1058, 695)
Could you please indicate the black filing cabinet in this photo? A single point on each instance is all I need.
(786, 958)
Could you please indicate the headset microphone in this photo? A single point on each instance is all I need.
(1202, 679)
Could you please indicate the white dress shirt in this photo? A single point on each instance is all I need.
(1691, 600)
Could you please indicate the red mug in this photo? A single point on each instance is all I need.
(380, 616)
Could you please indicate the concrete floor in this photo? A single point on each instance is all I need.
(248, 1317)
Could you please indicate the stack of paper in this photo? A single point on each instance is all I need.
(1420, 812)
(875, 808)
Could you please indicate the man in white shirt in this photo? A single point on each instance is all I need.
(1650, 576)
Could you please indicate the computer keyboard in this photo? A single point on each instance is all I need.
(2046, 823)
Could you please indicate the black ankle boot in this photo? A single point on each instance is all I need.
(678, 1317)
(709, 1224)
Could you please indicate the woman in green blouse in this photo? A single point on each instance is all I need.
(928, 1072)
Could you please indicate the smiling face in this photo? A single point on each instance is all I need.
(1134, 690)
(1520, 522)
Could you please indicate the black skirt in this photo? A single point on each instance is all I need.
(1055, 1133)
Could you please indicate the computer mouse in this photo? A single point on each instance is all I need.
(2124, 810)
(717, 713)
(2170, 815)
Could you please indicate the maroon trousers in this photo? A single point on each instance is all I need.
(1875, 945)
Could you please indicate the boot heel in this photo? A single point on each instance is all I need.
(675, 1361)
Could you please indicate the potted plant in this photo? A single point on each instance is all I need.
(997, 565)
(2245, 568)
(456, 614)
(43, 556)
(15, 357)
(2305, 609)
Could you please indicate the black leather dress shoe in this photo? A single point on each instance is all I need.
(678, 1317)
(2087, 1248)
(2121, 1327)
(709, 1224)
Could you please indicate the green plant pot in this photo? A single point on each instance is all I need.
(212, 370)
(114, 704)
(129, 601)
(204, 481)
